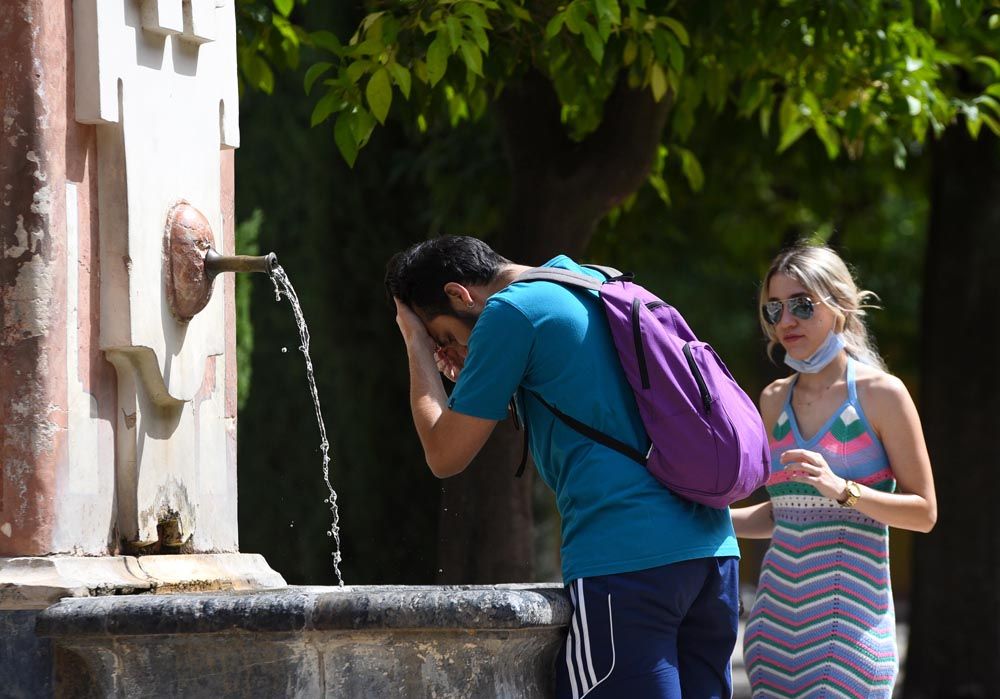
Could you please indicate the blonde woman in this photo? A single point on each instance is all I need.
(848, 461)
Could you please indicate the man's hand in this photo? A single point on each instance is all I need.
(411, 327)
(449, 362)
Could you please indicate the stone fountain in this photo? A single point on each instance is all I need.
(120, 568)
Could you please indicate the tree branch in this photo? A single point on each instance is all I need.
(562, 189)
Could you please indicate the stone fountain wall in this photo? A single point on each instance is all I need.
(380, 641)
(118, 420)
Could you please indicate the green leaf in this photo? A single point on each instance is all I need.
(630, 52)
(437, 58)
(593, 41)
(899, 154)
(326, 40)
(660, 186)
(400, 76)
(479, 36)
(454, 28)
(992, 123)
(715, 86)
(676, 54)
(828, 136)
(362, 125)
(475, 13)
(987, 101)
(678, 29)
(764, 116)
(517, 11)
(691, 169)
(658, 81)
(344, 137)
(576, 16)
(473, 58)
(610, 10)
(751, 95)
(973, 124)
(314, 72)
(379, 94)
(554, 25)
(993, 89)
(792, 133)
(357, 69)
(327, 105)
(788, 112)
(990, 62)
(265, 76)
(935, 7)
(420, 70)
(284, 6)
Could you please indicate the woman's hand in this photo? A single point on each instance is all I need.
(809, 467)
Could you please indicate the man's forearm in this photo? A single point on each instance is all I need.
(428, 400)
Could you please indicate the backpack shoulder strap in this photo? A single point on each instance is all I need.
(592, 433)
(608, 272)
(560, 276)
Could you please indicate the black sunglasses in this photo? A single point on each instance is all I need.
(802, 307)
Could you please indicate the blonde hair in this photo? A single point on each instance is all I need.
(826, 277)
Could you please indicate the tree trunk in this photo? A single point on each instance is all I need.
(954, 646)
(560, 191)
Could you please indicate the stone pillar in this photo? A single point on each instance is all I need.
(117, 421)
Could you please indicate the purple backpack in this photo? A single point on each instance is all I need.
(708, 441)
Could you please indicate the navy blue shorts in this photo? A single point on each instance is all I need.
(666, 632)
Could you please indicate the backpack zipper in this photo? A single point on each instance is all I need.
(637, 338)
(706, 397)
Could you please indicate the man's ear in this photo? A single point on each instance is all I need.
(459, 296)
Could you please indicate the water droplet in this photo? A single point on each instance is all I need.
(284, 350)
(329, 533)
(440, 570)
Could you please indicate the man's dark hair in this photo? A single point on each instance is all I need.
(417, 275)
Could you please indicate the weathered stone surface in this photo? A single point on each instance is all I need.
(37, 582)
(25, 659)
(312, 641)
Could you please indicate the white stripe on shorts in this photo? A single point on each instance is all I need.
(583, 678)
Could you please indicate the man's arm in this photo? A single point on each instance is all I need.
(450, 439)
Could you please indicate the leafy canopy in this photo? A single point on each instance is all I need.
(863, 74)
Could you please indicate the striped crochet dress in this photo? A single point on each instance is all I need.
(823, 623)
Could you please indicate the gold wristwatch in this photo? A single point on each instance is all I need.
(853, 493)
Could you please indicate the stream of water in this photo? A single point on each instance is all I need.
(283, 287)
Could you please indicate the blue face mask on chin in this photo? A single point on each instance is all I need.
(819, 360)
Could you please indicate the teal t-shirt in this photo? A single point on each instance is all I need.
(555, 341)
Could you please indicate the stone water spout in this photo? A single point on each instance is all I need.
(191, 262)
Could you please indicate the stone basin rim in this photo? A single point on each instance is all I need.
(312, 608)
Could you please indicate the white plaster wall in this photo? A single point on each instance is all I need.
(159, 79)
(86, 476)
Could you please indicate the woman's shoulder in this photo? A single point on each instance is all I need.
(882, 394)
(877, 383)
(772, 398)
